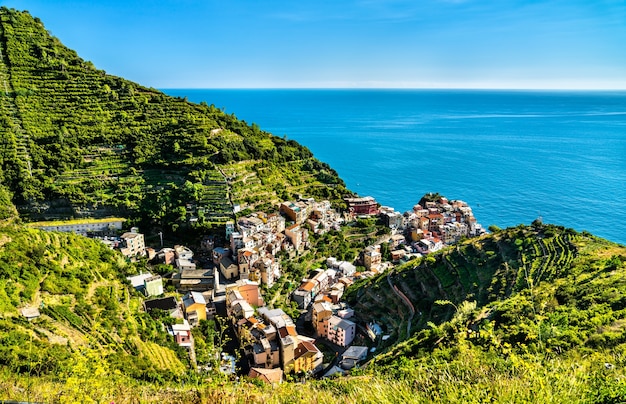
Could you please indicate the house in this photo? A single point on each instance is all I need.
(302, 298)
(372, 259)
(266, 353)
(138, 282)
(228, 268)
(183, 252)
(30, 313)
(341, 331)
(184, 264)
(248, 290)
(362, 206)
(168, 304)
(133, 244)
(240, 309)
(219, 253)
(194, 306)
(269, 270)
(197, 280)
(295, 211)
(297, 235)
(270, 376)
(307, 357)
(276, 223)
(153, 286)
(81, 226)
(166, 256)
(397, 255)
(346, 313)
(246, 258)
(352, 356)
(182, 334)
(236, 241)
(229, 229)
(320, 314)
(346, 268)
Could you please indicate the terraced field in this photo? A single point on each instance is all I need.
(485, 269)
(75, 141)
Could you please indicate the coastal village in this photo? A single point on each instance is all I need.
(226, 278)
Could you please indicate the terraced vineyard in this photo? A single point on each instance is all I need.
(75, 283)
(486, 269)
(79, 142)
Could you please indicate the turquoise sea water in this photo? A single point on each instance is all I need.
(512, 155)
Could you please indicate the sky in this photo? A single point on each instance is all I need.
(517, 44)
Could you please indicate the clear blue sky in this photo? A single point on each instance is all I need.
(346, 43)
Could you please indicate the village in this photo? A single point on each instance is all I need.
(226, 280)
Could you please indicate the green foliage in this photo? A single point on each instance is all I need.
(74, 138)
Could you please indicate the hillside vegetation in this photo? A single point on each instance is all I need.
(87, 311)
(75, 141)
(517, 322)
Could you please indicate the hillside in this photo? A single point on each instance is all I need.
(533, 270)
(88, 313)
(76, 141)
(523, 324)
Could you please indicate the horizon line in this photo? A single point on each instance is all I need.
(403, 88)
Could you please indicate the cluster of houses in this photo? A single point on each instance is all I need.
(250, 259)
(440, 223)
(256, 239)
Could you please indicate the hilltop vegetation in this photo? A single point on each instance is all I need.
(75, 140)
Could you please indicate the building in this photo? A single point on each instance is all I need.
(362, 206)
(139, 282)
(194, 306)
(246, 258)
(153, 286)
(352, 356)
(228, 268)
(295, 211)
(229, 228)
(341, 331)
(372, 259)
(270, 376)
(182, 334)
(247, 290)
(302, 298)
(197, 280)
(133, 244)
(168, 304)
(320, 315)
(81, 226)
(307, 357)
(297, 235)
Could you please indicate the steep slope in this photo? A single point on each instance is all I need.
(90, 320)
(539, 284)
(77, 141)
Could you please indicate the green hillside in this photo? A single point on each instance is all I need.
(539, 268)
(87, 310)
(523, 325)
(76, 141)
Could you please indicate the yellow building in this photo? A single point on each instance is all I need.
(194, 305)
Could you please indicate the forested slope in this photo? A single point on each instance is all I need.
(75, 140)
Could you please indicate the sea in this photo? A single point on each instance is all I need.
(513, 156)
